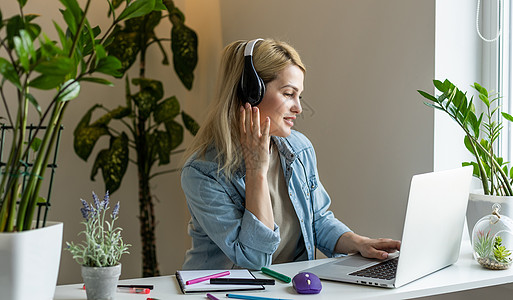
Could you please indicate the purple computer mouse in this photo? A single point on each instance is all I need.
(307, 283)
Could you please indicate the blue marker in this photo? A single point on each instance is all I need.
(248, 297)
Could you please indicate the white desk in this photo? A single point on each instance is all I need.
(464, 275)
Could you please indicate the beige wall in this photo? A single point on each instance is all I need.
(365, 61)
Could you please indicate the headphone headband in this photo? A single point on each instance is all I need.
(248, 51)
(251, 87)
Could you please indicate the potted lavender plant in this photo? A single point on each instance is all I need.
(100, 252)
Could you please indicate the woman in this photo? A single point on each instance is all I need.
(251, 182)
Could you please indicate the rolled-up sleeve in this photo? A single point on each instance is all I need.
(246, 241)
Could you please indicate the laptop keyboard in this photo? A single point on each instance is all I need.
(384, 270)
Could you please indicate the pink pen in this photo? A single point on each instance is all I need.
(200, 279)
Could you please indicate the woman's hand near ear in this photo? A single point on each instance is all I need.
(255, 142)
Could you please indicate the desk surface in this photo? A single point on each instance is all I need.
(465, 274)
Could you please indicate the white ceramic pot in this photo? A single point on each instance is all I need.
(480, 205)
(101, 282)
(29, 262)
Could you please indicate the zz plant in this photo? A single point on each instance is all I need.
(481, 132)
(30, 61)
(149, 121)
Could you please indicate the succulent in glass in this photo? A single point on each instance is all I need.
(103, 244)
(500, 253)
(492, 240)
(483, 245)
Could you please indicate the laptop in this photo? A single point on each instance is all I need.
(432, 233)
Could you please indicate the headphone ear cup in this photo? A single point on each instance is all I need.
(251, 87)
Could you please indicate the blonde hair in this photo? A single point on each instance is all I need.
(221, 127)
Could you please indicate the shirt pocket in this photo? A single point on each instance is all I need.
(310, 186)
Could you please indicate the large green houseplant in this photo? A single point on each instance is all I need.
(481, 132)
(31, 61)
(151, 129)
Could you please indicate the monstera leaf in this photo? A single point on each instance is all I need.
(113, 162)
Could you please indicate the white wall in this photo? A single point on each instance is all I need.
(457, 58)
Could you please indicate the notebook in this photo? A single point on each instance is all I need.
(432, 233)
(182, 276)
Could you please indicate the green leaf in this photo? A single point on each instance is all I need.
(47, 82)
(24, 48)
(56, 66)
(439, 86)
(33, 29)
(191, 125)
(159, 5)
(71, 90)
(163, 144)
(65, 42)
(100, 53)
(136, 9)
(8, 72)
(109, 65)
(480, 89)
(14, 25)
(427, 96)
(485, 100)
(127, 41)
(86, 136)
(475, 168)
(48, 49)
(34, 102)
(70, 20)
(41, 200)
(97, 80)
(184, 45)
(22, 3)
(507, 116)
(175, 131)
(36, 144)
(113, 162)
(146, 99)
(436, 106)
(468, 144)
(166, 110)
(125, 46)
(22, 53)
(118, 113)
(74, 7)
(116, 3)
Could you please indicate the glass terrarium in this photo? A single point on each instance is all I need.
(492, 240)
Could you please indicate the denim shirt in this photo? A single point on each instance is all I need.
(225, 235)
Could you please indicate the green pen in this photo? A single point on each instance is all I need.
(276, 275)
